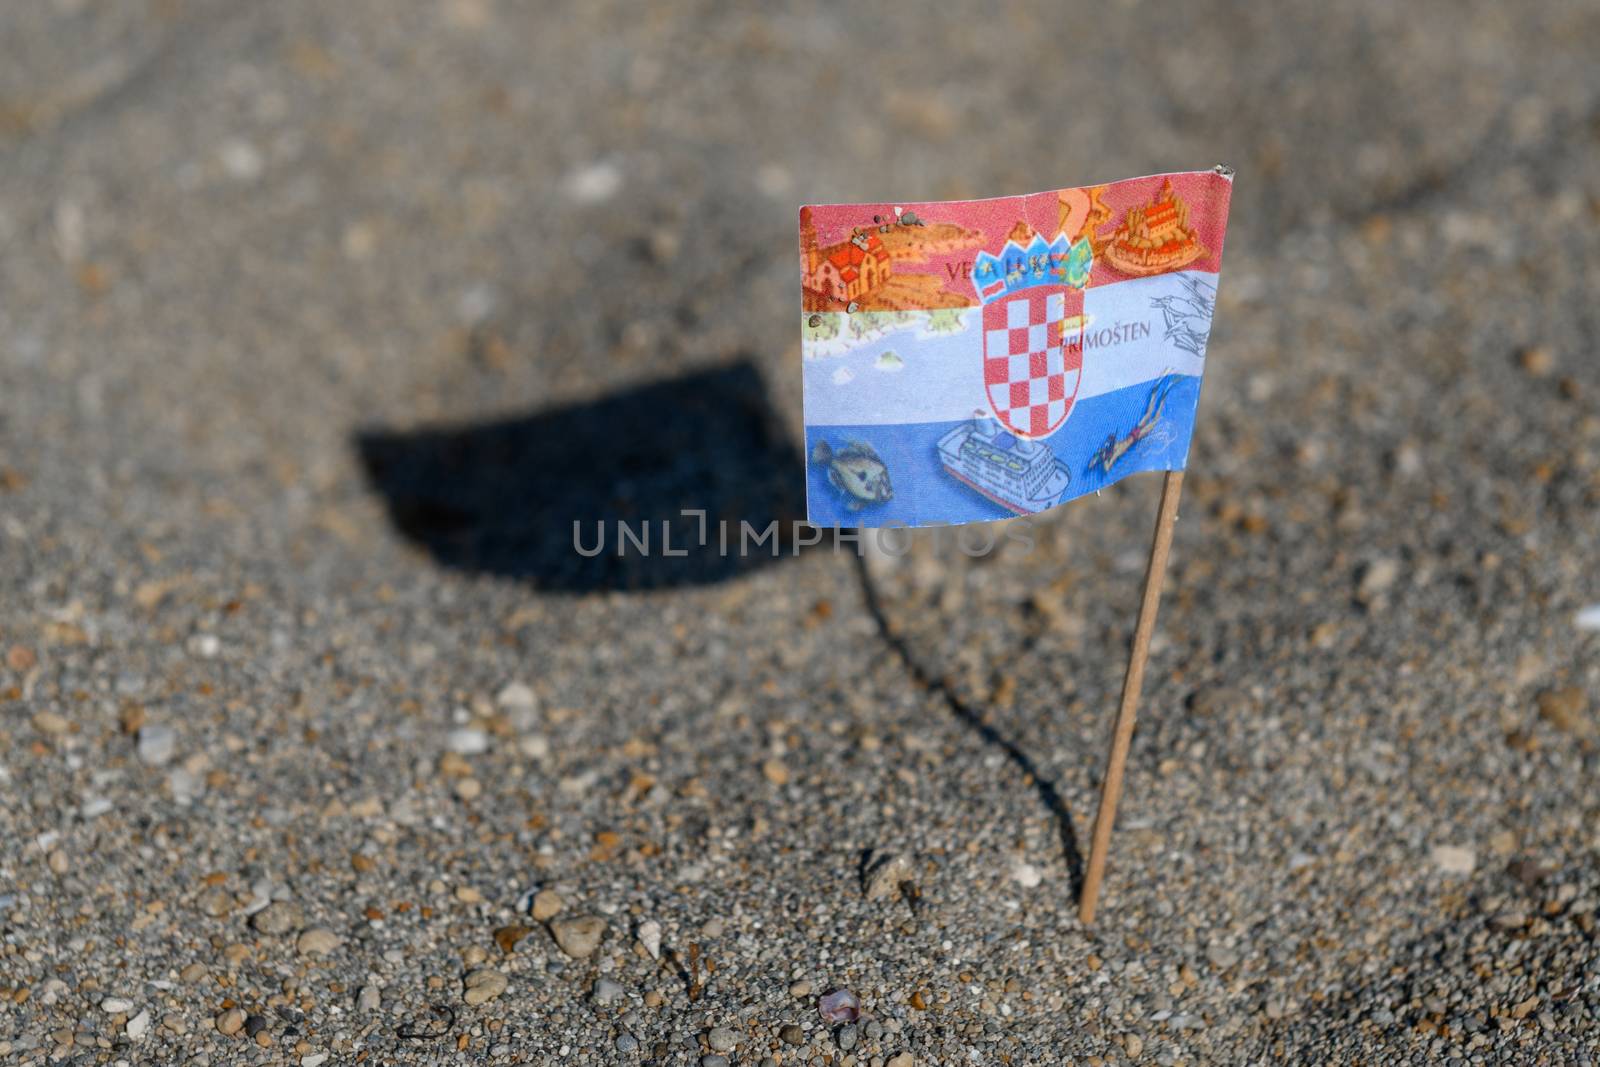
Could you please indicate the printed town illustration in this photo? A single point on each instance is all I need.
(974, 360)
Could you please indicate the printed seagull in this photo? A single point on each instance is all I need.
(1188, 318)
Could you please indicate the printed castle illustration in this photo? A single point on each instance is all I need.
(1156, 237)
(845, 271)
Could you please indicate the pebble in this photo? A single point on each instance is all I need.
(279, 917)
(506, 937)
(1564, 709)
(1216, 700)
(800, 988)
(369, 999)
(885, 878)
(607, 992)
(847, 1037)
(1133, 1045)
(139, 1025)
(48, 722)
(468, 741)
(1026, 875)
(776, 771)
(593, 184)
(315, 1059)
(205, 646)
(255, 1025)
(1537, 361)
(516, 695)
(95, 807)
(650, 938)
(626, 1042)
(1588, 618)
(792, 1035)
(157, 744)
(482, 985)
(722, 1039)
(185, 785)
(241, 159)
(215, 902)
(1454, 859)
(547, 904)
(317, 941)
(1377, 578)
(116, 1005)
(230, 1022)
(578, 936)
(713, 1060)
(903, 1059)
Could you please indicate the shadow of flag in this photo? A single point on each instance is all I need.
(502, 497)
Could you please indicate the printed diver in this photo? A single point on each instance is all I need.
(856, 471)
(1106, 456)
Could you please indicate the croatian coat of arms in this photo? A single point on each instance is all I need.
(1033, 331)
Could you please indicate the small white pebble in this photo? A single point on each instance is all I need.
(594, 184)
(94, 807)
(157, 744)
(138, 1025)
(468, 741)
(206, 646)
(1589, 619)
(516, 695)
(116, 1005)
(1454, 859)
(476, 304)
(1026, 875)
(240, 158)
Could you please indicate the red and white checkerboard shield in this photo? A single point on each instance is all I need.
(1033, 357)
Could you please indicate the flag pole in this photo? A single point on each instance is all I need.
(1111, 788)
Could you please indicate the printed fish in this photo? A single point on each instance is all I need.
(856, 471)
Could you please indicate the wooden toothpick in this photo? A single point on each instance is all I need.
(1111, 789)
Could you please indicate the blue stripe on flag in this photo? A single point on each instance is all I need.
(925, 493)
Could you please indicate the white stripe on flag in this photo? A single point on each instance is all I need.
(939, 377)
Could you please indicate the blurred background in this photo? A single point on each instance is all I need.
(320, 322)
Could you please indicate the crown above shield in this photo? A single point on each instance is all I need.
(1059, 262)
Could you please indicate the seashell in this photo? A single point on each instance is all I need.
(840, 1006)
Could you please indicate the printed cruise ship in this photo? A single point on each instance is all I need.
(1021, 476)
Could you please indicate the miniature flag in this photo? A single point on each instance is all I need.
(980, 359)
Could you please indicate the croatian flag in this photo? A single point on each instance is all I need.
(982, 359)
